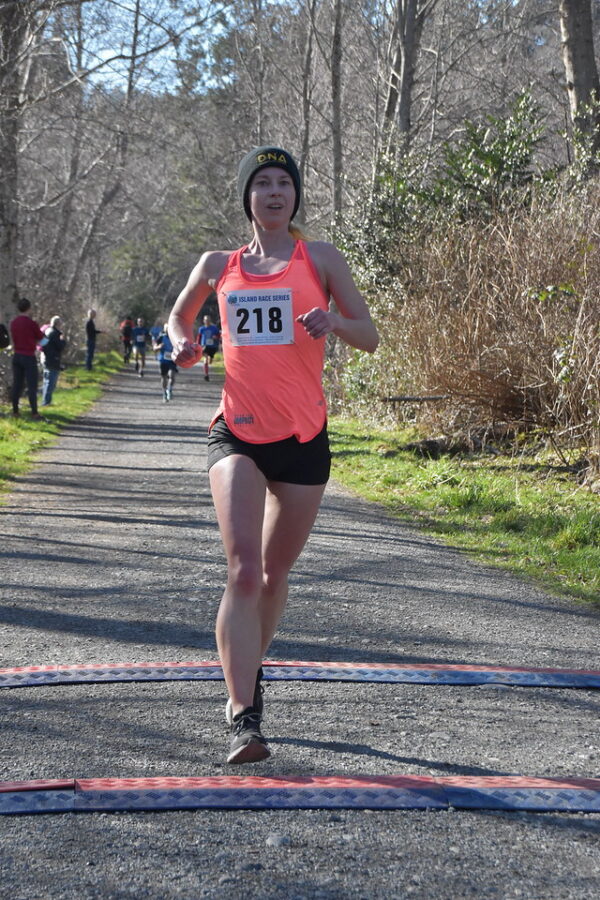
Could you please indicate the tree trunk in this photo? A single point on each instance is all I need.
(258, 67)
(406, 37)
(307, 63)
(336, 113)
(14, 28)
(114, 182)
(59, 249)
(581, 72)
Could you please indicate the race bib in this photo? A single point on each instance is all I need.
(258, 317)
(167, 354)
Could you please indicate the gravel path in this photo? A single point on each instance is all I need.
(110, 553)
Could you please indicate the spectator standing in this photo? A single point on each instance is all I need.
(25, 334)
(54, 344)
(90, 334)
(208, 338)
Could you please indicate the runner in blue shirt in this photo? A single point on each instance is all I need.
(168, 369)
(208, 338)
(139, 336)
(155, 332)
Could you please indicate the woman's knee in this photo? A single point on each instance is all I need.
(245, 577)
(274, 580)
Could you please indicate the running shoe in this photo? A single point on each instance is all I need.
(247, 743)
(257, 700)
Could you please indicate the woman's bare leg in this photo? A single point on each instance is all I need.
(238, 489)
(263, 532)
(290, 513)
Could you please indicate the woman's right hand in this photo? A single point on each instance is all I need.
(181, 329)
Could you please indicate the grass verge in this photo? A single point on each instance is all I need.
(521, 513)
(76, 392)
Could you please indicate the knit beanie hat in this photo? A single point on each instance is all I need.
(260, 158)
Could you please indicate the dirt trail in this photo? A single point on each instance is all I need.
(110, 553)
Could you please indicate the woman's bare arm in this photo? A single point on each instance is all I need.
(353, 323)
(200, 284)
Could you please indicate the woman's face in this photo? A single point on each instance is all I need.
(272, 196)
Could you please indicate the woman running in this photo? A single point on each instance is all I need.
(268, 450)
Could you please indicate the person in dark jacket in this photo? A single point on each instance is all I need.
(53, 346)
(25, 333)
(90, 335)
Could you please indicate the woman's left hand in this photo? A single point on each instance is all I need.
(184, 353)
(317, 322)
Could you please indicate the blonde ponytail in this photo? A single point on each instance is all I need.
(297, 233)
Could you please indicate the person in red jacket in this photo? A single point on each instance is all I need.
(25, 334)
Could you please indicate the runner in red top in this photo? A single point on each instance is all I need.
(268, 452)
(25, 334)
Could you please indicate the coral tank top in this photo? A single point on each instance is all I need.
(273, 368)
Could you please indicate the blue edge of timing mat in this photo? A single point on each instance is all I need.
(406, 792)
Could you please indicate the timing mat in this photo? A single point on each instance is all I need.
(385, 792)
(384, 673)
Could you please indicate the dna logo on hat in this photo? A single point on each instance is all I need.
(260, 158)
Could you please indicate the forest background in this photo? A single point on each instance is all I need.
(451, 148)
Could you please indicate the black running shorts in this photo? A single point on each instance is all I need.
(288, 460)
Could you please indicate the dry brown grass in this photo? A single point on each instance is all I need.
(504, 318)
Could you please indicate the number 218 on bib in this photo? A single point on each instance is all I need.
(258, 317)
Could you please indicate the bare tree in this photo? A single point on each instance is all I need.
(21, 22)
(307, 92)
(405, 41)
(44, 60)
(14, 32)
(336, 110)
(581, 71)
(97, 147)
